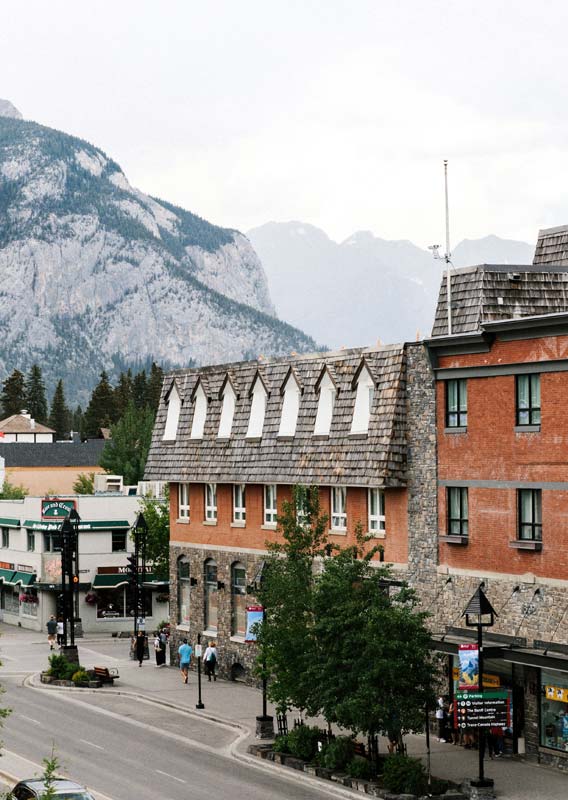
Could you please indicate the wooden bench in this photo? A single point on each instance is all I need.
(359, 749)
(106, 675)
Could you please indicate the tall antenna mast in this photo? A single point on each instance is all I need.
(448, 254)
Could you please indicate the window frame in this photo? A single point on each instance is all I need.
(270, 513)
(380, 517)
(183, 502)
(123, 534)
(210, 587)
(31, 542)
(338, 513)
(460, 412)
(462, 520)
(184, 584)
(239, 510)
(534, 525)
(210, 508)
(238, 590)
(533, 410)
(5, 538)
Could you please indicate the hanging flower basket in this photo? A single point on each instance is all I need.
(29, 598)
(91, 598)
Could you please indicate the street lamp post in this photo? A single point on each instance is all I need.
(138, 567)
(69, 584)
(480, 614)
(264, 723)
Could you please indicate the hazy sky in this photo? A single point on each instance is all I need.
(338, 113)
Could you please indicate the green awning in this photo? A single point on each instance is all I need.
(6, 575)
(25, 578)
(9, 522)
(54, 525)
(112, 580)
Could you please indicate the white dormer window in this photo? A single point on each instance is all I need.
(174, 407)
(257, 410)
(199, 413)
(363, 401)
(290, 407)
(326, 403)
(227, 411)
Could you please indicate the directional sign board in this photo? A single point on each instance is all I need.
(476, 710)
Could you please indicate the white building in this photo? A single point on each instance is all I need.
(30, 562)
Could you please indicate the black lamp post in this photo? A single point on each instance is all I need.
(75, 519)
(138, 565)
(69, 585)
(264, 723)
(480, 614)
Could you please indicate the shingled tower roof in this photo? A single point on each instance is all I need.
(552, 246)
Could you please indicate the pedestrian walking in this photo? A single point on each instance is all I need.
(60, 632)
(452, 730)
(51, 631)
(441, 718)
(210, 661)
(159, 650)
(185, 651)
(140, 647)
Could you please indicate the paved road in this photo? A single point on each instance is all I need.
(135, 751)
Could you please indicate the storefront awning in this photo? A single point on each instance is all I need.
(9, 522)
(6, 575)
(115, 579)
(51, 526)
(542, 658)
(25, 578)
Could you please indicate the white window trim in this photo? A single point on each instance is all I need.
(239, 511)
(363, 402)
(227, 412)
(257, 411)
(172, 418)
(326, 405)
(290, 407)
(270, 512)
(199, 413)
(183, 502)
(211, 510)
(338, 517)
(380, 518)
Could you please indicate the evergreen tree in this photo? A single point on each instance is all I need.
(13, 397)
(60, 417)
(123, 393)
(155, 387)
(140, 389)
(36, 402)
(125, 453)
(100, 412)
(77, 419)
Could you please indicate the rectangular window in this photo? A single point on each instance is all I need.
(239, 503)
(376, 506)
(553, 701)
(528, 400)
(270, 511)
(211, 502)
(5, 537)
(530, 515)
(339, 508)
(118, 541)
(31, 541)
(456, 403)
(458, 511)
(183, 501)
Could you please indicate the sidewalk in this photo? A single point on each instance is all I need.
(237, 705)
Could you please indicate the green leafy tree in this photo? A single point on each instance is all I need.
(13, 397)
(100, 412)
(123, 393)
(60, 417)
(125, 453)
(11, 492)
(154, 388)
(157, 515)
(85, 483)
(140, 389)
(36, 402)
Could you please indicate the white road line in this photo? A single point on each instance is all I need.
(30, 719)
(85, 741)
(173, 777)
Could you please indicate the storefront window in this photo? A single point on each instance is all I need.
(29, 602)
(238, 600)
(184, 584)
(11, 600)
(119, 603)
(211, 595)
(554, 710)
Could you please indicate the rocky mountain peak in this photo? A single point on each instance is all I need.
(8, 109)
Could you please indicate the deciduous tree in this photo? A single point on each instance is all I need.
(157, 515)
(125, 453)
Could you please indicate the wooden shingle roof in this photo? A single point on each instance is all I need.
(552, 246)
(372, 460)
(22, 423)
(492, 292)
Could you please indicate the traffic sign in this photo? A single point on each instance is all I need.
(477, 710)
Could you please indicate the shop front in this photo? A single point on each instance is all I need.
(554, 711)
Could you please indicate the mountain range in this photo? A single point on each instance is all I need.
(364, 288)
(95, 274)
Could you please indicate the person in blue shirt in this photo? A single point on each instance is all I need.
(185, 651)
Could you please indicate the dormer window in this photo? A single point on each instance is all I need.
(290, 406)
(199, 413)
(363, 400)
(326, 403)
(227, 411)
(174, 407)
(257, 409)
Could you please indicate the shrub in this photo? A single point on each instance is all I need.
(338, 752)
(303, 742)
(359, 767)
(404, 775)
(80, 676)
(61, 668)
(281, 744)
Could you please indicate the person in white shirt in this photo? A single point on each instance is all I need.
(210, 660)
